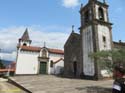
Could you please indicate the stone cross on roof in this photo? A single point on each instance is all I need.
(72, 28)
(44, 44)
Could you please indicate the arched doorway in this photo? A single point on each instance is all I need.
(75, 67)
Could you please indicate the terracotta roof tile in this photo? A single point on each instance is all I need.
(5, 70)
(30, 48)
(58, 60)
(37, 49)
(57, 51)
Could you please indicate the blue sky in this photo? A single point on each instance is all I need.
(36, 12)
(49, 21)
(50, 12)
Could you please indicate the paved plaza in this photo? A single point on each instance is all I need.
(53, 84)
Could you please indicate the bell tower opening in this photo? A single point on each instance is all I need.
(24, 44)
(101, 14)
(86, 16)
(25, 39)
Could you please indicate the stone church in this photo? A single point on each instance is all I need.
(95, 35)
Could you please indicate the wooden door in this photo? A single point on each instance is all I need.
(43, 67)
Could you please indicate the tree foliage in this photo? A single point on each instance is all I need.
(109, 58)
(1, 64)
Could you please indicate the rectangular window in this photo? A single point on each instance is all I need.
(51, 63)
(104, 39)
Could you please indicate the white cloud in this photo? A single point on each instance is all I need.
(9, 37)
(38, 34)
(8, 56)
(70, 3)
(54, 36)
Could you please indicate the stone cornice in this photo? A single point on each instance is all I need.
(96, 22)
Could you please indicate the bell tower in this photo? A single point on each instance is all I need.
(96, 32)
(25, 40)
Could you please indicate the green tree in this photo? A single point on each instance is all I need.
(1, 64)
(109, 58)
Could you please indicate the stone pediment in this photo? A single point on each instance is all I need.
(74, 37)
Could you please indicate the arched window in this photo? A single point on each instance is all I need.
(44, 53)
(101, 13)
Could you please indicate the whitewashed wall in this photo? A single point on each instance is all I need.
(58, 67)
(104, 31)
(87, 41)
(54, 57)
(27, 63)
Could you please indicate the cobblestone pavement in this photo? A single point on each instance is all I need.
(53, 84)
(6, 87)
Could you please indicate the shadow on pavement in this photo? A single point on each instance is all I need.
(95, 89)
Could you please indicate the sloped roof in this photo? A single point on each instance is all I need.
(58, 60)
(57, 51)
(6, 70)
(72, 35)
(119, 43)
(30, 48)
(37, 49)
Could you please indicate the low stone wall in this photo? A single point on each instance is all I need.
(18, 85)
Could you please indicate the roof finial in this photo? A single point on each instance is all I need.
(44, 44)
(72, 28)
(26, 29)
(81, 5)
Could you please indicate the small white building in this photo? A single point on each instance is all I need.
(37, 60)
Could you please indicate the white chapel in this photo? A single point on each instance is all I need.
(37, 60)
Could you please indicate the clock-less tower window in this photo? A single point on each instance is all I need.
(86, 16)
(101, 14)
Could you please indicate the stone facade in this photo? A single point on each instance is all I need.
(72, 54)
(95, 35)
